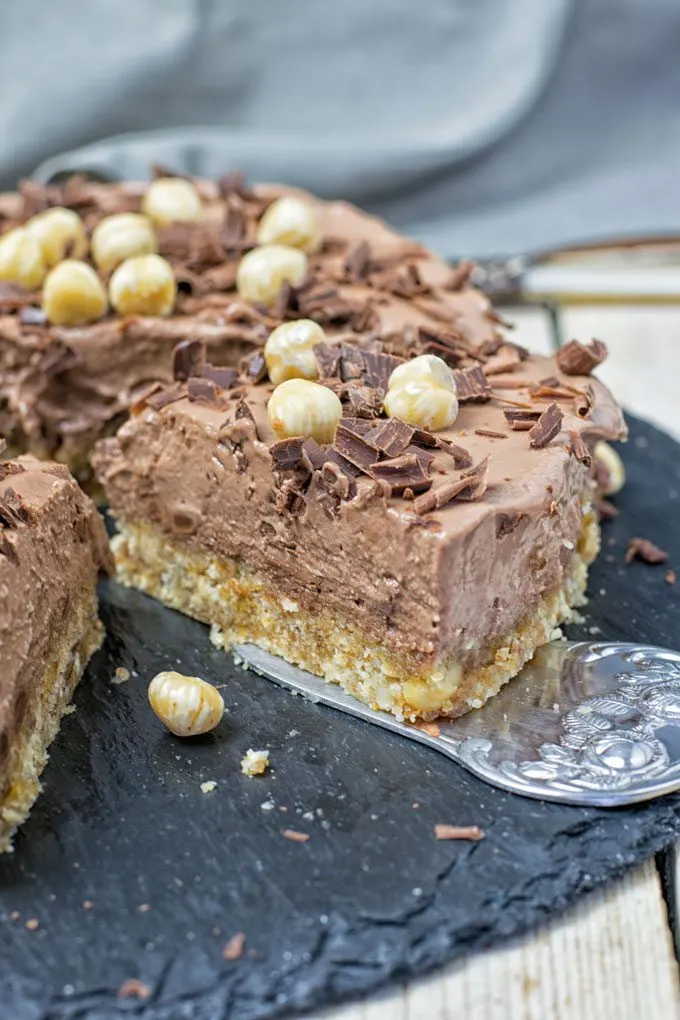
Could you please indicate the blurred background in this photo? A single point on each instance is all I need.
(485, 128)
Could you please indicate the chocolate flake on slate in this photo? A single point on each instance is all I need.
(354, 448)
(358, 261)
(391, 437)
(328, 358)
(32, 316)
(576, 358)
(579, 449)
(606, 511)
(470, 486)
(405, 472)
(520, 420)
(203, 390)
(315, 454)
(165, 396)
(507, 523)
(472, 386)
(287, 453)
(643, 549)
(225, 378)
(585, 402)
(546, 428)
(188, 360)
(491, 433)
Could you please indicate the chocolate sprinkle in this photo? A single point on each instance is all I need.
(471, 486)
(579, 449)
(472, 386)
(520, 420)
(643, 549)
(405, 472)
(391, 437)
(491, 433)
(576, 358)
(546, 428)
(188, 360)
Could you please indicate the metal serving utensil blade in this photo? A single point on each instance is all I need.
(593, 723)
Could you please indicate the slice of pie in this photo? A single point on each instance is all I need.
(52, 547)
(403, 505)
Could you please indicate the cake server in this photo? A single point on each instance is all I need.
(591, 723)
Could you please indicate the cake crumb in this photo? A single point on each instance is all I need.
(121, 675)
(88, 904)
(458, 832)
(32, 924)
(643, 549)
(295, 837)
(254, 763)
(671, 577)
(144, 908)
(15, 915)
(133, 988)
(267, 805)
(430, 728)
(234, 947)
(208, 786)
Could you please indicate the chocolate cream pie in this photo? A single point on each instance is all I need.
(350, 465)
(52, 546)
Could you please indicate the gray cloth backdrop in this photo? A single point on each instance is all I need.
(482, 127)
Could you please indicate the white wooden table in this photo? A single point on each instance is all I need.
(610, 958)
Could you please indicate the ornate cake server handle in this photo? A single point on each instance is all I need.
(583, 723)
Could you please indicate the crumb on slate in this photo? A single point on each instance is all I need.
(671, 577)
(430, 728)
(121, 676)
(88, 904)
(32, 924)
(643, 549)
(208, 786)
(133, 988)
(254, 763)
(458, 832)
(144, 908)
(295, 837)
(234, 947)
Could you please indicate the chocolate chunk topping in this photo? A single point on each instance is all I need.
(255, 367)
(332, 456)
(472, 385)
(520, 420)
(391, 437)
(405, 472)
(444, 343)
(188, 360)
(643, 549)
(585, 401)
(234, 230)
(576, 358)
(352, 364)
(233, 184)
(424, 456)
(360, 425)
(167, 395)
(29, 315)
(315, 454)
(491, 433)
(546, 428)
(285, 301)
(364, 402)
(354, 448)
(462, 458)
(470, 486)
(507, 359)
(287, 453)
(203, 390)
(378, 368)
(579, 449)
(358, 261)
(421, 437)
(225, 378)
(328, 358)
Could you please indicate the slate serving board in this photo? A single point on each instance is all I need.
(133, 872)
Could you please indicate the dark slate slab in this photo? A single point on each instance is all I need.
(371, 898)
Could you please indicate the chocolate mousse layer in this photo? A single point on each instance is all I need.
(64, 387)
(53, 546)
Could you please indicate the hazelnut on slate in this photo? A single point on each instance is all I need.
(172, 200)
(289, 350)
(263, 271)
(291, 221)
(187, 705)
(301, 408)
(73, 294)
(143, 285)
(60, 234)
(120, 237)
(423, 393)
(21, 258)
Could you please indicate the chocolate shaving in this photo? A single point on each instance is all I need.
(519, 420)
(167, 395)
(287, 453)
(328, 358)
(506, 360)
(491, 433)
(352, 364)
(445, 343)
(233, 230)
(285, 301)
(159, 170)
(424, 456)
(314, 453)
(606, 511)
(225, 378)
(507, 523)
(358, 261)
(576, 358)
(546, 428)
(545, 391)
(188, 360)
(233, 184)
(254, 367)
(29, 315)
(473, 832)
(460, 275)
(364, 318)
(354, 448)
(471, 486)
(378, 368)
(472, 386)
(405, 472)
(579, 449)
(585, 402)
(332, 456)
(391, 437)
(462, 458)
(205, 391)
(360, 425)
(643, 549)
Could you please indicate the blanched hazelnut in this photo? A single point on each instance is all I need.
(172, 200)
(60, 234)
(289, 350)
(263, 271)
(423, 392)
(291, 221)
(143, 285)
(187, 705)
(73, 294)
(301, 408)
(21, 259)
(120, 237)
(614, 471)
